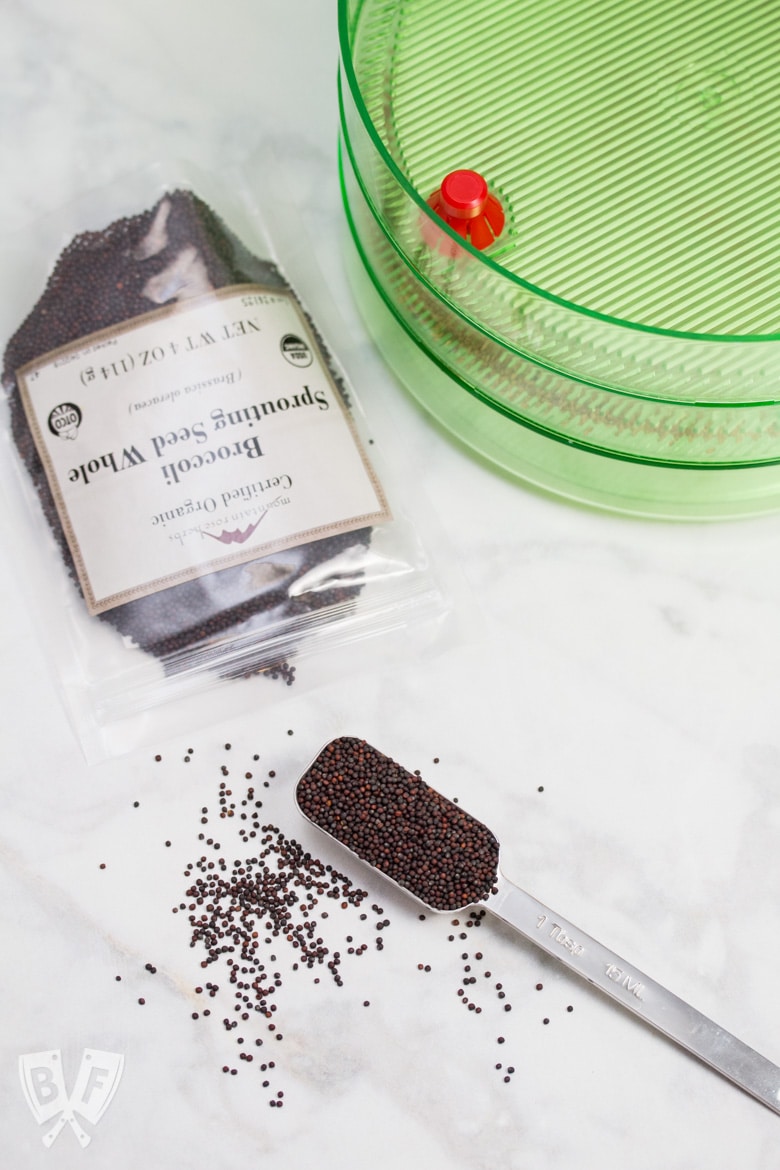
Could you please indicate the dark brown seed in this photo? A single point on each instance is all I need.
(236, 910)
(394, 821)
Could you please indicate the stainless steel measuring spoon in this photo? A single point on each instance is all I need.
(434, 850)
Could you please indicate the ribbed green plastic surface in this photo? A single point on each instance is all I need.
(635, 143)
(630, 307)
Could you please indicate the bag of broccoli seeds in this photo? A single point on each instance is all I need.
(201, 506)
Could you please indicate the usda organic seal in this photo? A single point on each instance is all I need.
(295, 350)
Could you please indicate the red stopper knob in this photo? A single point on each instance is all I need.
(464, 202)
(463, 194)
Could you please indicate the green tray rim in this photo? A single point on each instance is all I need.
(507, 411)
(345, 30)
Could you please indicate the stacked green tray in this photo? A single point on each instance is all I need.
(619, 342)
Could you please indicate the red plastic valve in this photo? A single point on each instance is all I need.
(464, 202)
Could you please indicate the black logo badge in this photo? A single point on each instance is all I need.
(65, 420)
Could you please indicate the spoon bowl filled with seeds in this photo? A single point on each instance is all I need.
(448, 860)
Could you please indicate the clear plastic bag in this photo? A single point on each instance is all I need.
(193, 496)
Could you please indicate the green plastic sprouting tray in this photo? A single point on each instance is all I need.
(629, 310)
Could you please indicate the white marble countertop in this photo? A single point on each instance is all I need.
(612, 714)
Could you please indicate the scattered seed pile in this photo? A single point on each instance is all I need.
(397, 823)
(249, 916)
(176, 250)
(242, 906)
(275, 914)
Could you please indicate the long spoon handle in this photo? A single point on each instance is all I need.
(635, 991)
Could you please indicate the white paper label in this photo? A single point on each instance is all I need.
(201, 435)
